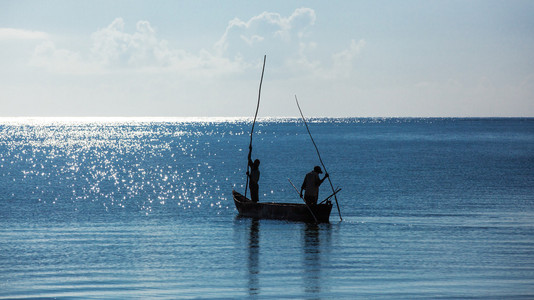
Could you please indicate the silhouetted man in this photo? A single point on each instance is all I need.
(311, 185)
(254, 176)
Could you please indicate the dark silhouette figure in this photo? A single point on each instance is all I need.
(311, 185)
(254, 177)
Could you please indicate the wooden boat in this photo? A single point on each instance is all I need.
(282, 211)
(319, 213)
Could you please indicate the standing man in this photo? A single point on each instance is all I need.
(254, 176)
(311, 185)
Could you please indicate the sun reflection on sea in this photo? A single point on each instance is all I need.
(147, 164)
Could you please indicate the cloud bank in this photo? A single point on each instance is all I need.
(21, 34)
(242, 44)
(265, 30)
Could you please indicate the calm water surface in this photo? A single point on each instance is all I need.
(115, 209)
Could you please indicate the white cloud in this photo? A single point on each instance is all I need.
(270, 28)
(21, 34)
(253, 39)
(289, 40)
(115, 50)
(343, 61)
(47, 56)
(340, 66)
(112, 47)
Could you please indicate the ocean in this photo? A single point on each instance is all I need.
(142, 209)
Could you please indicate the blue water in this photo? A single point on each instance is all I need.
(125, 208)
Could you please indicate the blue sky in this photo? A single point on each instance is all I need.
(203, 58)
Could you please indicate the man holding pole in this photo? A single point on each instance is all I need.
(311, 185)
(254, 176)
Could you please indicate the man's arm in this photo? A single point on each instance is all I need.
(325, 176)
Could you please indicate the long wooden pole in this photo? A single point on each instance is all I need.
(320, 159)
(254, 123)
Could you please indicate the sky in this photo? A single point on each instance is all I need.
(204, 58)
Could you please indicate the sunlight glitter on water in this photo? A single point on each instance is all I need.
(111, 161)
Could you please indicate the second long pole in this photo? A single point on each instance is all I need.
(319, 154)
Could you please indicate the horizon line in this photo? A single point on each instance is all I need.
(87, 119)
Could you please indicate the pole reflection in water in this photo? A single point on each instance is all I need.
(313, 257)
(253, 258)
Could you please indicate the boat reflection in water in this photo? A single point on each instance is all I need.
(276, 274)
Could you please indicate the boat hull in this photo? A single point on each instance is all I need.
(282, 211)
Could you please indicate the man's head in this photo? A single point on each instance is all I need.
(317, 169)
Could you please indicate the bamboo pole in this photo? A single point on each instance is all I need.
(320, 159)
(254, 122)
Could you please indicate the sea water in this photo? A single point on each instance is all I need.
(142, 208)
